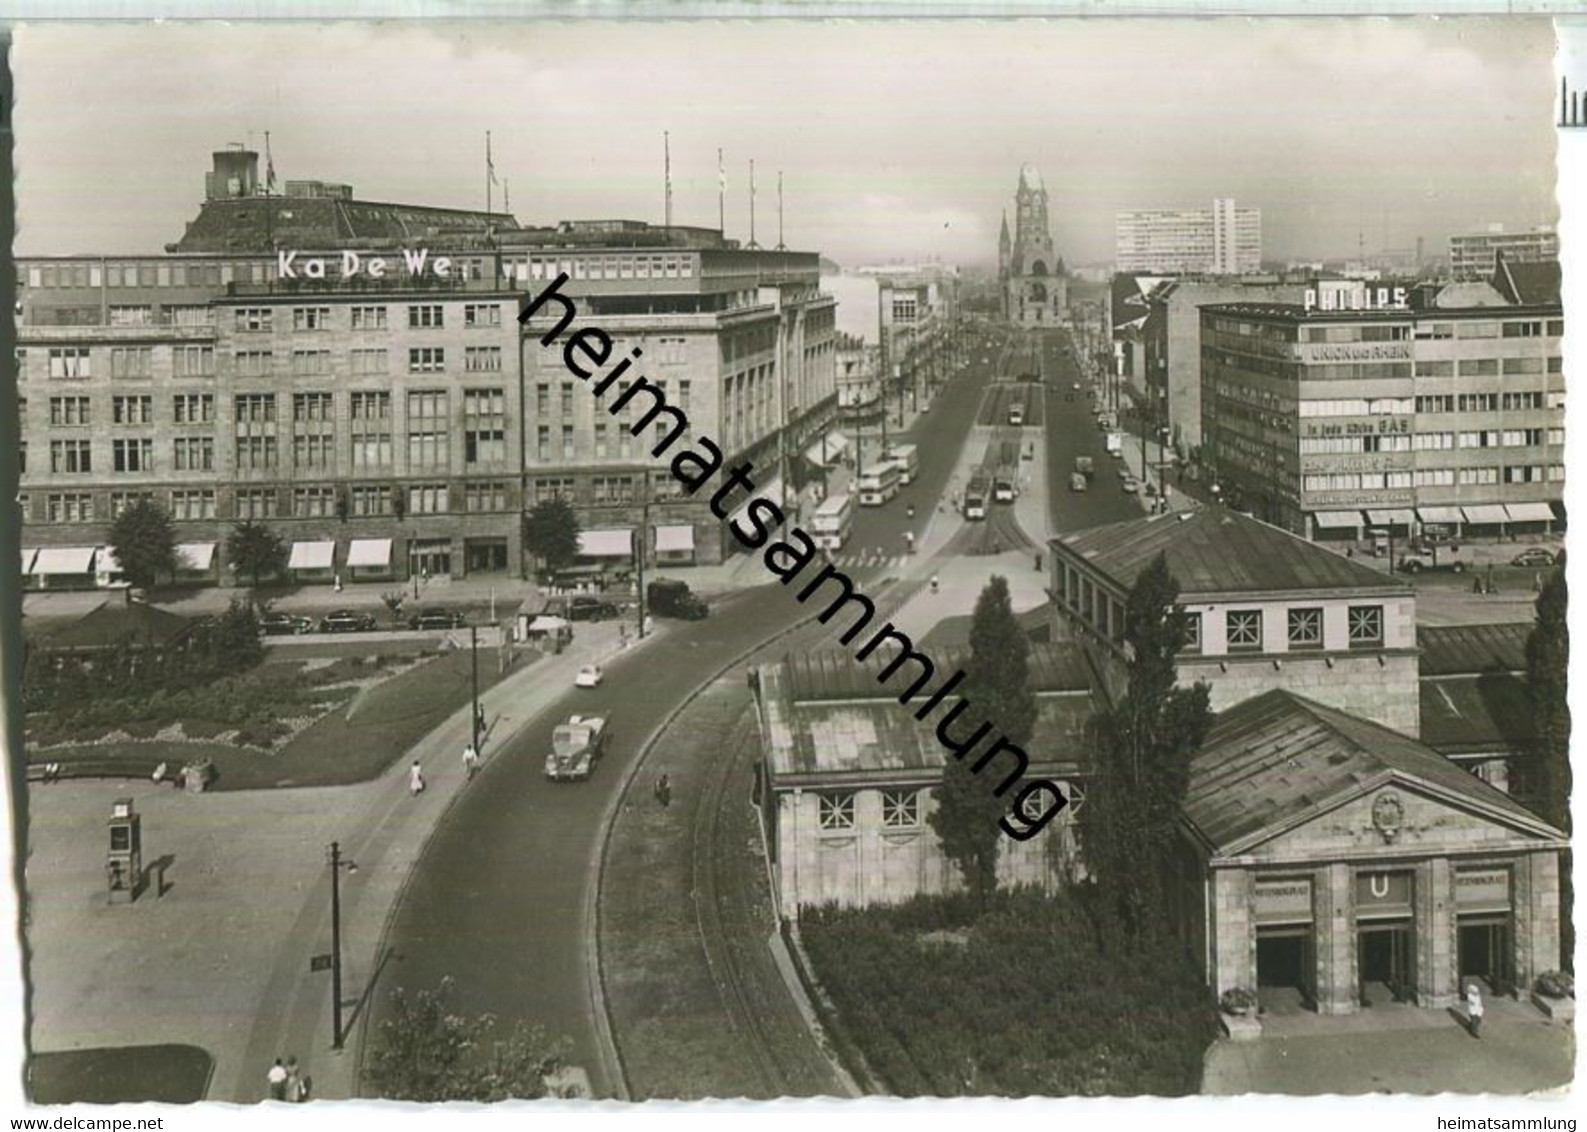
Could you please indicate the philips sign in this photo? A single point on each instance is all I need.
(1355, 299)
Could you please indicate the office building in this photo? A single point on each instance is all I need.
(1471, 254)
(1225, 239)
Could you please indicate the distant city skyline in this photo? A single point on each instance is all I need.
(897, 140)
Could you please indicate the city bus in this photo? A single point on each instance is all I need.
(975, 499)
(879, 484)
(908, 460)
(830, 525)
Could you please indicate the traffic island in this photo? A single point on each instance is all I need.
(163, 1074)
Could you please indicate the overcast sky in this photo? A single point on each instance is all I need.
(898, 140)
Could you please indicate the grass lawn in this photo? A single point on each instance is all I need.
(366, 731)
(1020, 999)
(170, 1074)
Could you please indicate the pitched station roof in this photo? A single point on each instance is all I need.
(113, 621)
(1476, 714)
(1273, 761)
(1213, 550)
(1451, 650)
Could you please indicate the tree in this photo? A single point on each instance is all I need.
(1547, 680)
(425, 1052)
(551, 533)
(256, 550)
(144, 542)
(997, 687)
(393, 600)
(1140, 766)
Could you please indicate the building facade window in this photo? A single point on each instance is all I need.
(900, 809)
(484, 426)
(193, 504)
(69, 411)
(193, 361)
(1366, 626)
(121, 500)
(1305, 628)
(428, 431)
(482, 359)
(255, 319)
(132, 362)
(488, 495)
(313, 502)
(311, 363)
(132, 410)
(255, 503)
(311, 318)
(193, 453)
(69, 507)
(426, 359)
(70, 363)
(371, 430)
(71, 457)
(1244, 628)
(481, 314)
(370, 501)
(193, 408)
(369, 318)
(254, 363)
(835, 811)
(427, 499)
(427, 317)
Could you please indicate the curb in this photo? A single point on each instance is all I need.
(362, 1028)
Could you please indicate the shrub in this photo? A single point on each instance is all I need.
(1237, 1000)
(1556, 984)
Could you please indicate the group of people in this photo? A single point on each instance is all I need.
(470, 759)
(287, 1082)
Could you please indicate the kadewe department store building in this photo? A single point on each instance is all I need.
(1337, 865)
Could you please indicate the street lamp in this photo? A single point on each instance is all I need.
(338, 863)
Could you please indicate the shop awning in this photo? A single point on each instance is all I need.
(369, 552)
(828, 450)
(65, 560)
(1487, 513)
(1334, 520)
(772, 491)
(105, 561)
(546, 623)
(196, 555)
(617, 543)
(312, 556)
(1402, 516)
(674, 539)
(1530, 512)
(29, 553)
(1443, 515)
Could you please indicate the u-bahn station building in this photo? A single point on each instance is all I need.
(1332, 858)
(352, 374)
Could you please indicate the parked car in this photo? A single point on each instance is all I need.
(436, 619)
(284, 625)
(1534, 556)
(590, 676)
(669, 597)
(582, 607)
(1130, 485)
(1432, 557)
(347, 621)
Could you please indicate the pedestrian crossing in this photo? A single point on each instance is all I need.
(868, 558)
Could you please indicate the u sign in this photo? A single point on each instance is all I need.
(1380, 885)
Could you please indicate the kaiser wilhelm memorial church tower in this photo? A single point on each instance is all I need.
(1035, 281)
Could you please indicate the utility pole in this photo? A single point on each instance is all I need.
(337, 865)
(473, 649)
(644, 537)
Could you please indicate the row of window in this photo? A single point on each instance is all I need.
(1435, 477)
(568, 397)
(477, 496)
(1243, 628)
(1369, 332)
(75, 363)
(425, 316)
(1431, 441)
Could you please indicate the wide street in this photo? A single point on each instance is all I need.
(500, 898)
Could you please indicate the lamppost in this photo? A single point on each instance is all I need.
(338, 863)
(644, 540)
(478, 715)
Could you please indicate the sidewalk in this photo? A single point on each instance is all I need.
(220, 959)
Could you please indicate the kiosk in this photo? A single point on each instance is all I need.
(124, 861)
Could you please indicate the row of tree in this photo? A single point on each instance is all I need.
(143, 538)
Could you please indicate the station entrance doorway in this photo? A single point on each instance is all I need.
(1286, 950)
(1385, 937)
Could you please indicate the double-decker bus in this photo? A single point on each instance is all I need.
(830, 524)
(879, 484)
(908, 460)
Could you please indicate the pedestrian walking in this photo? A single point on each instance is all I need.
(470, 760)
(664, 791)
(415, 779)
(1474, 1010)
(479, 721)
(294, 1083)
(277, 1080)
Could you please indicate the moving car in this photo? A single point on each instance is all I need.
(284, 625)
(1002, 491)
(1534, 556)
(1077, 482)
(436, 619)
(1432, 557)
(1085, 466)
(347, 621)
(1130, 485)
(575, 746)
(1016, 414)
(585, 608)
(669, 597)
(589, 676)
